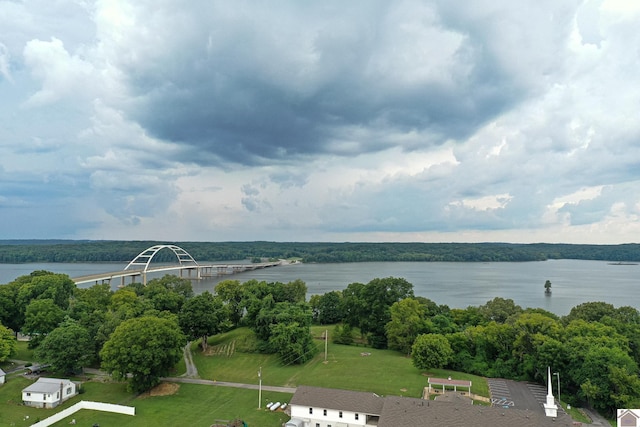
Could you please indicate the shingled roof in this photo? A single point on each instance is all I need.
(410, 412)
(341, 400)
(46, 385)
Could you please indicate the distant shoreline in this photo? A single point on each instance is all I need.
(82, 251)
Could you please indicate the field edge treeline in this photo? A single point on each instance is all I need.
(26, 251)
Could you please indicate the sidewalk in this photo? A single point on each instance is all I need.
(596, 419)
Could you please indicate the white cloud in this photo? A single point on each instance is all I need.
(62, 74)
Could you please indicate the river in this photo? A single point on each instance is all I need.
(457, 285)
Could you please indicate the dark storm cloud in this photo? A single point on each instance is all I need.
(238, 91)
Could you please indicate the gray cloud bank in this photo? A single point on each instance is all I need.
(364, 120)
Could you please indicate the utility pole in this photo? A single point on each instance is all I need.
(260, 388)
(326, 341)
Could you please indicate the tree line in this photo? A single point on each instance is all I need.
(137, 332)
(596, 347)
(12, 251)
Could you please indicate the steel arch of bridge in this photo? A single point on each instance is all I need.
(144, 258)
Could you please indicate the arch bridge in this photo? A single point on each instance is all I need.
(141, 265)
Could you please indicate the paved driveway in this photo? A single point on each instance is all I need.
(520, 395)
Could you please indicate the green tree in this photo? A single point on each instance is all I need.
(46, 285)
(431, 351)
(174, 284)
(284, 328)
(68, 348)
(589, 391)
(531, 329)
(469, 316)
(88, 300)
(547, 286)
(613, 372)
(330, 308)
(12, 313)
(163, 298)
(342, 334)
(314, 303)
(499, 309)
(626, 322)
(353, 304)
(7, 343)
(202, 316)
(294, 292)
(146, 347)
(493, 349)
(293, 342)
(407, 322)
(232, 294)
(128, 304)
(590, 312)
(377, 297)
(42, 317)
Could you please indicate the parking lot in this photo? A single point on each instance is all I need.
(520, 395)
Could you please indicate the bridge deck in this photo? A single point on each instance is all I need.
(202, 271)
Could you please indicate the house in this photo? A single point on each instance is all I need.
(628, 417)
(323, 407)
(48, 392)
(3, 376)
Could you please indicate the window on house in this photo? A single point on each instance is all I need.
(311, 410)
(69, 390)
(58, 395)
(324, 412)
(28, 394)
(356, 416)
(317, 424)
(340, 414)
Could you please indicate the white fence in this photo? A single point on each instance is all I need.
(84, 404)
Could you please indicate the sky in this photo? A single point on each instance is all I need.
(362, 121)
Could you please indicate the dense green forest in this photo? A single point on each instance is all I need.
(22, 251)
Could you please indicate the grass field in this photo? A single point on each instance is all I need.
(383, 372)
(192, 405)
(350, 367)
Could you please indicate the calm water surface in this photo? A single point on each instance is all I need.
(457, 285)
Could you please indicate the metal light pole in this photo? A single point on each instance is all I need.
(558, 374)
(260, 388)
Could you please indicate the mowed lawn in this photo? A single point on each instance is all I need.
(384, 372)
(191, 405)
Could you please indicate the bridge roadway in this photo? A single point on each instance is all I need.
(201, 272)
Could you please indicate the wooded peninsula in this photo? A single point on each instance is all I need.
(23, 251)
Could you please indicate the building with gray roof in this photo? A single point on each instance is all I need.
(323, 407)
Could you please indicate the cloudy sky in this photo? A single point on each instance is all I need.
(435, 121)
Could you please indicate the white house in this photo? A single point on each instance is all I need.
(48, 392)
(3, 376)
(324, 407)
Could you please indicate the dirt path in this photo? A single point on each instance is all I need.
(192, 371)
